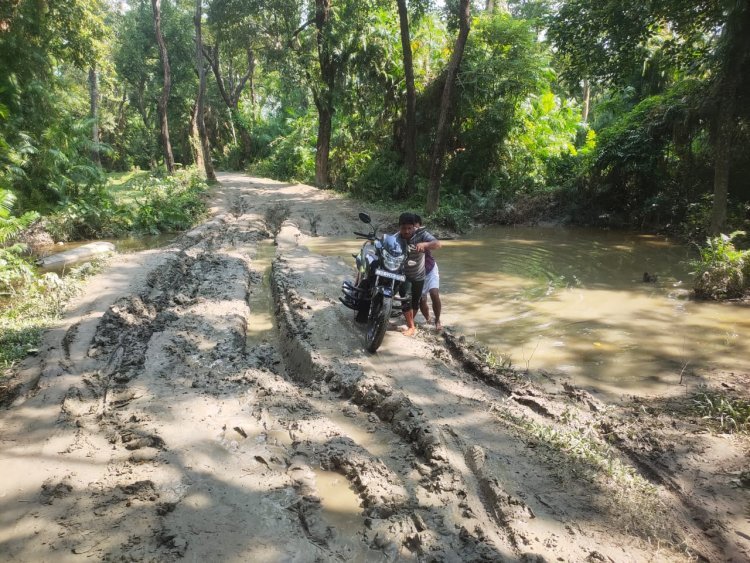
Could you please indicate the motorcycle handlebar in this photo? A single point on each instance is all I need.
(363, 235)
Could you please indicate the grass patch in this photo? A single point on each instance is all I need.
(721, 412)
(578, 454)
(124, 186)
(33, 309)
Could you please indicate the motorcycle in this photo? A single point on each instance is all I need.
(380, 265)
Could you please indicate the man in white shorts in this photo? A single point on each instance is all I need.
(431, 286)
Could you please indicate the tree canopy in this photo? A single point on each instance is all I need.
(629, 113)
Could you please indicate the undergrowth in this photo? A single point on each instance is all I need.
(33, 308)
(723, 271)
(578, 453)
(724, 413)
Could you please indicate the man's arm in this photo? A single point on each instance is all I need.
(430, 245)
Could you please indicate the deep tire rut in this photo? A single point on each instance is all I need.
(163, 428)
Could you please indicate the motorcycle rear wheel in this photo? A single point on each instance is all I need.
(377, 323)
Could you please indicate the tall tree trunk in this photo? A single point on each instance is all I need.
(231, 92)
(323, 143)
(586, 100)
(446, 107)
(164, 98)
(728, 94)
(324, 94)
(491, 7)
(410, 142)
(195, 140)
(724, 129)
(251, 73)
(205, 149)
(94, 110)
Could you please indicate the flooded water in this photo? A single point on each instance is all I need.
(129, 244)
(124, 245)
(260, 326)
(573, 301)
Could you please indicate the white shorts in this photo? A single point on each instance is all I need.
(431, 281)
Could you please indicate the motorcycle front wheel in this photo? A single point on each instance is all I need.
(377, 323)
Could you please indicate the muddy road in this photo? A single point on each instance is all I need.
(158, 424)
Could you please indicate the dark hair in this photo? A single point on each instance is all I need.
(407, 219)
(418, 219)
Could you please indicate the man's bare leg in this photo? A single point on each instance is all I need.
(425, 308)
(437, 307)
(411, 330)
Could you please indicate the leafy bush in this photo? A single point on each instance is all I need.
(727, 413)
(159, 204)
(453, 214)
(15, 271)
(292, 155)
(94, 213)
(10, 225)
(33, 308)
(168, 204)
(723, 272)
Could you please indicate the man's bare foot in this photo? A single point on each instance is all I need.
(438, 325)
(409, 331)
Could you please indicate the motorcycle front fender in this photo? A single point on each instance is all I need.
(387, 291)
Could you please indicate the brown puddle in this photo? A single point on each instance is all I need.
(340, 507)
(123, 245)
(260, 327)
(573, 302)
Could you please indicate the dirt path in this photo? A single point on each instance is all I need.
(165, 424)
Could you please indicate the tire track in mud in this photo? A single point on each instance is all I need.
(533, 492)
(179, 436)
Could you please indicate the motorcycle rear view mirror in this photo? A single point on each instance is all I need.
(364, 217)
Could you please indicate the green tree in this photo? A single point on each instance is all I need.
(438, 151)
(706, 39)
(166, 87)
(44, 49)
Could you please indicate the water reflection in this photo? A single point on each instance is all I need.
(123, 245)
(573, 301)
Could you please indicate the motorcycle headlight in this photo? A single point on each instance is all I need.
(392, 262)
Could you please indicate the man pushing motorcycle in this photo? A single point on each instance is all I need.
(416, 243)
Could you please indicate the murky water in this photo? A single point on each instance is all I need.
(573, 301)
(124, 245)
(260, 320)
(341, 509)
(130, 244)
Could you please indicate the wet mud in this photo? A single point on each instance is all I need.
(165, 421)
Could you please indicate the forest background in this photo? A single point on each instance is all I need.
(625, 114)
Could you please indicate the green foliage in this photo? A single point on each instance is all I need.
(33, 308)
(645, 171)
(169, 204)
(10, 225)
(722, 271)
(502, 66)
(545, 130)
(153, 204)
(727, 414)
(453, 214)
(15, 271)
(292, 154)
(93, 213)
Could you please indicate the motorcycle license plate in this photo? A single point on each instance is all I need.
(390, 275)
